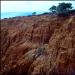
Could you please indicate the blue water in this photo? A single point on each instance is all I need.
(14, 14)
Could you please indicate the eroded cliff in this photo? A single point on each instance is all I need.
(38, 45)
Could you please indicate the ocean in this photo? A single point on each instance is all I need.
(15, 14)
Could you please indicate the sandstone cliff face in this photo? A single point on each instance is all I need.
(38, 45)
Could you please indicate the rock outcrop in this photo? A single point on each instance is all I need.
(38, 45)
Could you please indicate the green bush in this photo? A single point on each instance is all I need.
(61, 8)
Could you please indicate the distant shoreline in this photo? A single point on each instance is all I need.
(16, 14)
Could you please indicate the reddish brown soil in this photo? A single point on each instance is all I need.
(38, 45)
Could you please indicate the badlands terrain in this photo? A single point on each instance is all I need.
(38, 45)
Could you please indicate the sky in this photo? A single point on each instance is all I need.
(29, 6)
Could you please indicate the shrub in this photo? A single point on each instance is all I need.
(61, 9)
(34, 13)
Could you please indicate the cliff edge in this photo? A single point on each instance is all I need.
(38, 45)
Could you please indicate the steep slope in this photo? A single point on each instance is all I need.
(38, 45)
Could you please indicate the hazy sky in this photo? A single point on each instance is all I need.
(29, 6)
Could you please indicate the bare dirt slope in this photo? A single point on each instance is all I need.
(38, 45)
